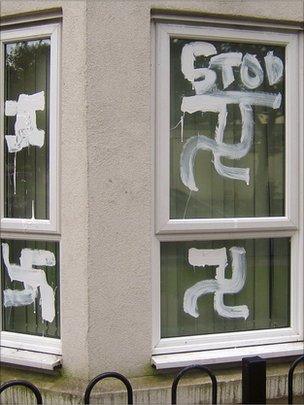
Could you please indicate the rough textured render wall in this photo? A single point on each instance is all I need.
(73, 175)
(120, 153)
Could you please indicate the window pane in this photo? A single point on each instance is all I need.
(224, 286)
(227, 136)
(26, 129)
(30, 287)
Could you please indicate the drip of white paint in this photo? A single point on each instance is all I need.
(220, 285)
(182, 128)
(250, 63)
(33, 210)
(175, 126)
(31, 278)
(181, 123)
(15, 173)
(26, 131)
(226, 61)
(186, 205)
(274, 68)
(189, 53)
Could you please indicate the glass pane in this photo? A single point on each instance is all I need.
(26, 129)
(227, 136)
(30, 287)
(224, 286)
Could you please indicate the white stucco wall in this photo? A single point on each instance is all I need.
(107, 173)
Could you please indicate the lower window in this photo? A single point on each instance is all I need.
(30, 287)
(224, 286)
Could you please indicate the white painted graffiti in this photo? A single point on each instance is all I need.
(26, 131)
(32, 279)
(220, 285)
(209, 98)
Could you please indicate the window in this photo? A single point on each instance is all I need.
(228, 230)
(30, 258)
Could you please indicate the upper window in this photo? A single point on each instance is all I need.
(225, 97)
(228, 231)
(30, 127)
(30, 259)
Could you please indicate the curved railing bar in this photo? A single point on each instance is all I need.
(290, 378)
(23, 383)
(184, 371)
(102, 376)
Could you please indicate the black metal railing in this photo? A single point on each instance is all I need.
(23, 383)
(290, 378)
(251, 368)
(102, 376)
(185, 371)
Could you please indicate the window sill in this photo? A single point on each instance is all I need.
(27, 358)
(31, 343)
(222, 356)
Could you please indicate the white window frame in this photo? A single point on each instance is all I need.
(290, 225)
(51, 31)
(35, 229)
(163, 222)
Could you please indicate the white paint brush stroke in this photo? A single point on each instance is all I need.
(226, 61)
(215, 99)
(16, 298)
(31, 278)
(250, 63)
(26, 131)
(220, 285)
(189, 53)
(274, 68)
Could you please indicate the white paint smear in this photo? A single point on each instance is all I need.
(274, 68)
(32, 279)
(220, 285)
(226, 61)
(207, 257)
(26, 131)
(255, 78)
(189, 53)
